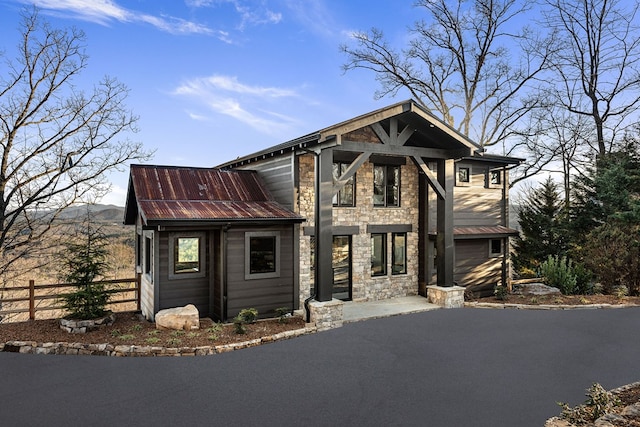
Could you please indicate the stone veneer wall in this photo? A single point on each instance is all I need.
(365, 287)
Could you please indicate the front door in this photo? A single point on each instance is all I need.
(342, 267)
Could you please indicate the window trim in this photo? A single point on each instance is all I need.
(148, 255)
(202, 270)
(393, 254)
(385, 203)
(247, 255)
(493, 254)
(336, 202)
(500, 178)
(459, 182)
(384, 255)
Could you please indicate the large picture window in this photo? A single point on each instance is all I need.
(386, 185)
(262, 255)
(399, 253)
(187, 259)
(379, 254)
(346, 195)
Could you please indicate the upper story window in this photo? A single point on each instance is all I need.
(346, 195)
(494, 178)
(463, 175)
(386, 185)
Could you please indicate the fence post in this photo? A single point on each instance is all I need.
(32, 301)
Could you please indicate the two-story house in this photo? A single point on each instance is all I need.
(379, 206)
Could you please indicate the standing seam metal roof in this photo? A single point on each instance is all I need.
(165, 193)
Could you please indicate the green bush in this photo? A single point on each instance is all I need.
(501, 293)
(247, 315)
(559, 273)
(283, 313)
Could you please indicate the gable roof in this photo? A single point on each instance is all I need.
(428, 130)
(165, 194)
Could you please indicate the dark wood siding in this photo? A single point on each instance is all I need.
(180, 292)
(277, 175)
(265, 295)
(474, 267)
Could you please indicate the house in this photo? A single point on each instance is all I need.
(387, 204)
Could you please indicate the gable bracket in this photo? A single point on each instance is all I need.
(350, 172)
(431, 177)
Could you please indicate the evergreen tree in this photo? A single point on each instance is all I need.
(542, 225)
(82, 263)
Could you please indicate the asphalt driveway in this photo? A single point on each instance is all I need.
(462, 367)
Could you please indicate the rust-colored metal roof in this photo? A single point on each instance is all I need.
(167, 193)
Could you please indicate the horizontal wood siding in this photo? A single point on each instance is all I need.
(265, 295)
(180, 292)
(473, 264)
(277, 175)
(477, 206)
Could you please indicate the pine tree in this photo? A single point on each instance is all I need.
(543, 233)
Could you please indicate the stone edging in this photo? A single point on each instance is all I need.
(472, 304)
(32, 347)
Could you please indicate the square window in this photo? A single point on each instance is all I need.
(262, 255)
(187, 256)
(399, 253)
(495, 247)
(386, 185)
(379, 254)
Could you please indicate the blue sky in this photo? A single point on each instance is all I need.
(212, 80)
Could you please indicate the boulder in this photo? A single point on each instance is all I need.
(179, 318)
(535, 289)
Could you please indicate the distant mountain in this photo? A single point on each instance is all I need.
(110, 213)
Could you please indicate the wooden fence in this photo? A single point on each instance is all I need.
(49, 293)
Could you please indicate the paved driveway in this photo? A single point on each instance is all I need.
(464, 367)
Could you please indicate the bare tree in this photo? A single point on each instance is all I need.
(57, 142)
(598, 63)
(472, 64)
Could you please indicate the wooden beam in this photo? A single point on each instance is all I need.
(444, 227)
(432, 179)
(324, 226)
(402, 151)
(350, 172)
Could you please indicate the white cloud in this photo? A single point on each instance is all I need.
(251, 12)
(105, 11)
(244, 103)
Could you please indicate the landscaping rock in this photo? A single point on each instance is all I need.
(535, 289)
(180, 318)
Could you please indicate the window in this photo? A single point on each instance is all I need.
(495, 247)
(346, 195)
(494, 178)
(399, 253)
(148, 255)
(379, 254)
(187, 255)
(464, 175)
(386, 185)
(138, 252)
(262, 255)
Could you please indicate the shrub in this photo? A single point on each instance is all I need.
(283, 314)
(599, 402)
(558, 272)
(501, 293)
(247, 315)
